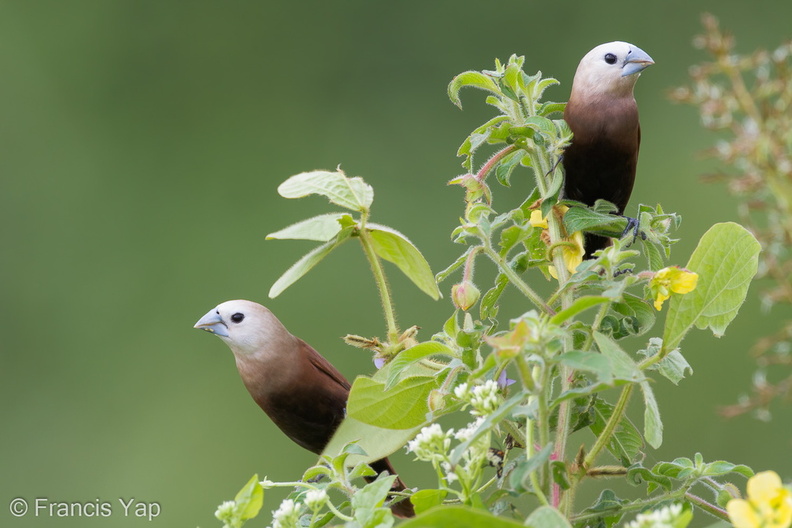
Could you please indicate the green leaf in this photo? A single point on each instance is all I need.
(459, 517)
(307, 262)
(488, 307)
(726, 260)
(402, 407)
(721, 467)
(321, 228)
(673, 366)
(643, 314)
(626, 442)
(585, 219)
(547, 517)
(351, 193)
(443, 275)
(416, 353)
(520, 477)
(638, 474)
(624, 368)
(377, 442)
(426, 499)
(470, 78)
(653, 426)
(506, 166)
(249, 499)
(653, 256)
(610, 508)
(589, 362)
(394, 247)
(581, 304)
(373, 494)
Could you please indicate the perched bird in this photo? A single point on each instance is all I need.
(298, 388)
(602, 113)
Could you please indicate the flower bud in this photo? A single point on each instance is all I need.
(465, 295)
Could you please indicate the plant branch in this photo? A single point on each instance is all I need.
(382, 283)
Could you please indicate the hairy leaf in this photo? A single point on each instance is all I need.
(547, 517)
(377, 442)
(653, 426)
(411, 355)
(726, 259)
(470, 78)
(427, 498)
(249, 499)
(402, 407)
(459, 517)
(626, 442)
(351, 193)
(307, 262)
(394, 247)
(321, 228)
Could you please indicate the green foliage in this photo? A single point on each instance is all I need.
(559, 366)
(726, 261)
(246, 505)
(336, 228)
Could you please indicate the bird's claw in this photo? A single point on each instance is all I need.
(634, 225)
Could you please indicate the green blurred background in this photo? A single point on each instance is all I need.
(141, 146)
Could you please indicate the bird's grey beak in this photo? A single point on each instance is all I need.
(212, 322)
(637, 59)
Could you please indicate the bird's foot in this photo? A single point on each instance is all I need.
(555, 165)
(634, 226)
(618, 273)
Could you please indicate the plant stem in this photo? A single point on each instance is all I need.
(610, 427)
(338, 513)
(708, 507)
(517, 281)
(494, 160)
(382, 282)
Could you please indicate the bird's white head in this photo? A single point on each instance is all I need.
(248, 328)
(610, 68)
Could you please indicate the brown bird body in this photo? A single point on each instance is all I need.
(302, 392)
(603, 116)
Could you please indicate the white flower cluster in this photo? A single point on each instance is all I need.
(287, 515)
(665, 517)
(226, 511)
(464, 434)
(431, 444)
(316, 499)
(483, 399)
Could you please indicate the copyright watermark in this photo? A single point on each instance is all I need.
(45, 507)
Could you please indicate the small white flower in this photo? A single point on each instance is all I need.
(286, 516)
(225, 511)
(485, 398)
(463, 435)
(462, 391)
(449, 472)
(316, 499)
(431, 443)
(665, 517)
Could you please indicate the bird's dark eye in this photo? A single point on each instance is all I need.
(237, 317)
(610, 58)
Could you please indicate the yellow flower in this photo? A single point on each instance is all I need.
(671, 280)
(537, 220)
(769, 504)
(573, 252)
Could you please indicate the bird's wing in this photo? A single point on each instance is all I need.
(321, 364)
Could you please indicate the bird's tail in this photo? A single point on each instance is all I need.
(404, 508)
